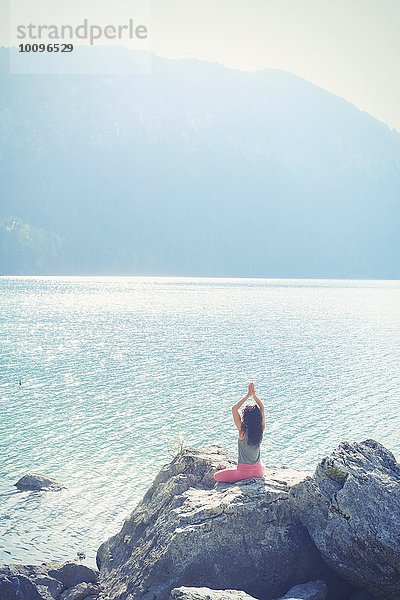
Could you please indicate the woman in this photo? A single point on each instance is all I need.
(251, 427)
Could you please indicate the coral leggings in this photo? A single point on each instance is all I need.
(241, 471)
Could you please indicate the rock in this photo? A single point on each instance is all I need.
(35, 582)
(187, 532)
(191, 593)
(43, 582)
(313, 590)
(80, 592)
(37, 482)
(18, 587)
(359, 595)
(71, 574)
(351, 508)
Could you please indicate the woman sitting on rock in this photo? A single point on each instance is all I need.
(251, 426)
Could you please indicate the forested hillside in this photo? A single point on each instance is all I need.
(194, 169)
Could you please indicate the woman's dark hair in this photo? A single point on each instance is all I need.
(252, 425)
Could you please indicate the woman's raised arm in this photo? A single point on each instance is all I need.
(261, 407)
(235, 407)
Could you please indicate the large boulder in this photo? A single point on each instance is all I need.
(45, 582)
(351, 508)
(36, 482)
(188, 532)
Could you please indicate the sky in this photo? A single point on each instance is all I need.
(349, 47)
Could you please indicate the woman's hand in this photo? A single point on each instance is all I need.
(235, 407)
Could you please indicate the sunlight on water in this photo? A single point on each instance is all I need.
(112, 369)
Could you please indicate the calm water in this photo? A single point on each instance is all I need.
(114, 369)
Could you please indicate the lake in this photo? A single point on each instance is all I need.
(101, 377)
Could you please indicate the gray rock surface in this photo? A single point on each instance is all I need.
(359, 595)
(71, 573)
(191, 593)
(80, 592)
(44, 582)
(19, 587)
(351, 508)
(313, 590)
(37, 482)
(187, 532)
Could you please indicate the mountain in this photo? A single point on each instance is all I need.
(196, 169)
(25, 249)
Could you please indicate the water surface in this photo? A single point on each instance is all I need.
(113, 370)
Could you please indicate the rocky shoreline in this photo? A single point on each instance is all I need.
(331, 535)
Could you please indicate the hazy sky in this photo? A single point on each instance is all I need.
(350, 47)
